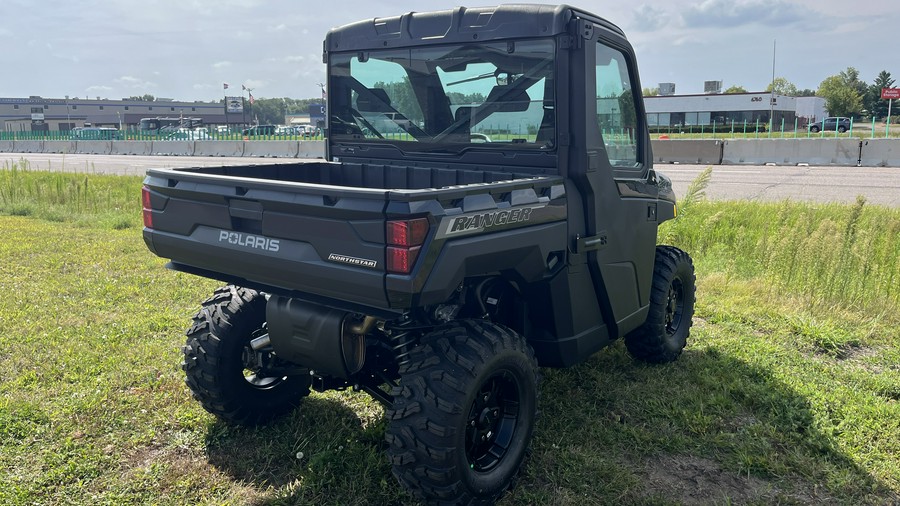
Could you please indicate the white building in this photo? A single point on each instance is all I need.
(732, 109)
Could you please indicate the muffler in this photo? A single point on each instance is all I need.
(328, 341)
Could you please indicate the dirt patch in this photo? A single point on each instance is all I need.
(693, 480)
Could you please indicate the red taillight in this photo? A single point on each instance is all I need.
(405, 239)
(147, 209)
(401, 260)
(407, 233)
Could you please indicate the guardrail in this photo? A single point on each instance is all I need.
(838, 152)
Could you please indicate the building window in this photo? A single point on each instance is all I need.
(150, 108)
(126, 107)
(16, 106)
(101, 107)
(172, 109)
(35, 110)
(46, 107)
(193, 109)
(74, 107)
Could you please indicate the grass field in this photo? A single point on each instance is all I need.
(787, 392)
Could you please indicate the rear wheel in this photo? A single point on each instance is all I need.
(664, 334)
(814, 129)
(842, 129)
(221, 369)
(463, 414)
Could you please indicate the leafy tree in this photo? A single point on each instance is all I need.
(735, 89)
(650, 92)
(403, 99)
(851, 78)
(271, 111)
(145, 98)
(806, 92)
(877, 107)
(782, 86)
(842, 94)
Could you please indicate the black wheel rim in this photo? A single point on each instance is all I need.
(252, 372)
(674, 306)
(492, 421)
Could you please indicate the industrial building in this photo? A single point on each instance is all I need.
(37, 114)
(712, 109)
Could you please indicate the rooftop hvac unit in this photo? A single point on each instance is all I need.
(712, 87)
(666, 89)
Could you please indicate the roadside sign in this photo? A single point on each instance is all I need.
(890, 93)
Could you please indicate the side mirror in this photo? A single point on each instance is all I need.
(505, 78)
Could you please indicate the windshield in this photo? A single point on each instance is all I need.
(446, 98)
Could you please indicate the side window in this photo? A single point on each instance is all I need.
(616, 113)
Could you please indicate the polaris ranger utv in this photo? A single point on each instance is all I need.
(487, 206)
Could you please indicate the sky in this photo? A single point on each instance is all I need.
(186, 49)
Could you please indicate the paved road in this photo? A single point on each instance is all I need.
(880, 185)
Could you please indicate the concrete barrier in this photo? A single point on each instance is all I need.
(881, 153)
(311, 149)
(274, 149)
(59, 147)
(218, 148)
(172, 148)
(131, 148)
(93, 147)
(6, 147)
(843, 152)
(29, 146)
(688, 151)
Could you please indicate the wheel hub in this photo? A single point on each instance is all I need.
(674, 306)
(492, 421)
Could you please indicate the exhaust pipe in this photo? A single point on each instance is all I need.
(329, 341)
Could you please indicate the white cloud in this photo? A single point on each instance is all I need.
(732, 13)
(648, 18)
(255, 83)
(134, 82)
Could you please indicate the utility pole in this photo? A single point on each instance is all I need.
(772, 96)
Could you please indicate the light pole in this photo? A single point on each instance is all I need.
(68, 119)
(772, 96)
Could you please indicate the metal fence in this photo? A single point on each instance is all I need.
(147, 136)
(762, 130)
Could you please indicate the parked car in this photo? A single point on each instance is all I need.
(260, 130)
(831, 123)
(95, 133)
(186, 134)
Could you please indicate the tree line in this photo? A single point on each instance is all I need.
(845, 93)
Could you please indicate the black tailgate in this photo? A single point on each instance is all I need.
(327, 241)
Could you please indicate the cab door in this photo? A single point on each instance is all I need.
(618, 187)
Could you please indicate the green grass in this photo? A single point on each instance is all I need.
(787, 393)
(80, 198)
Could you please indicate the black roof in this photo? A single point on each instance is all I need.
(458, 25)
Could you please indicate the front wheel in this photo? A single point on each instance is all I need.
(664, 334)
(842, 129)
(220, 367)
(463, 414)
(814, 129)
